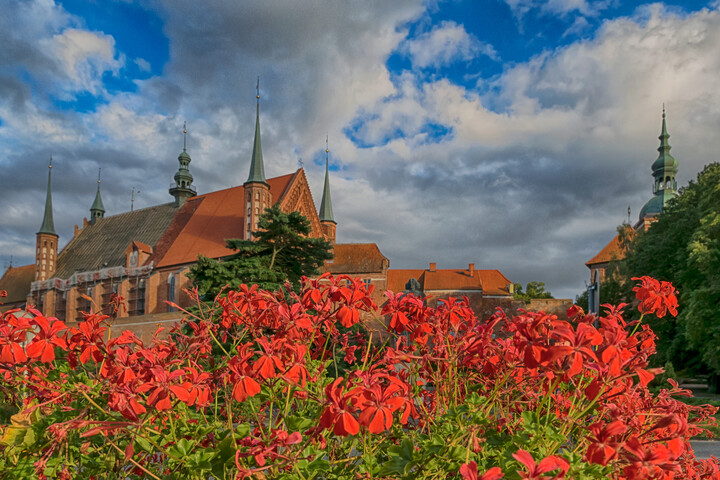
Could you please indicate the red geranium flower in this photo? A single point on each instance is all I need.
(656, 297)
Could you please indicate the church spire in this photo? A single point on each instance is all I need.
(183, 188)
(257, 169)
(664, 169)
(665, 166)
(326, 212)
(97, 210)
(48, 225)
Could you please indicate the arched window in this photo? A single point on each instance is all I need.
(171, 291)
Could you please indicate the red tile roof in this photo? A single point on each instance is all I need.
(492, 282)
(396, 279)
(16, 281)
(354, 258)
(612, 251)
(206, 221)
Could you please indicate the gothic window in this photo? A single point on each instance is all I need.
(140, 298)
(171, 291)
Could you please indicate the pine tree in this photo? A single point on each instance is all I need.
(281, 251)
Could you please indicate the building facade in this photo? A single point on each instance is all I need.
(144, 255)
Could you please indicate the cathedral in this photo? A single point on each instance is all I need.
(144, 255)
(664, 170)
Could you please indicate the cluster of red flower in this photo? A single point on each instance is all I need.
(257, 381)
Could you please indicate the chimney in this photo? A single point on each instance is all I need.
(432, 266)
(471, 269)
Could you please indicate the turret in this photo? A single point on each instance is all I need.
(183, 188)
(46, 239)
(664, 169)
(257, 190)
(327, 221)
(97, 210)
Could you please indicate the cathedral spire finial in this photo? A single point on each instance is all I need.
(48, 225)
(326, 212)
(257, 168)
(97, 210)
(183, 188)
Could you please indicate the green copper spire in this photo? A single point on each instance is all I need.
(326, 212)
(48, 226)
(257, 169)
(664, 169)
(183, 188)
(97, 210)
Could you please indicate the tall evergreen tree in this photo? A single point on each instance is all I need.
(281, 251)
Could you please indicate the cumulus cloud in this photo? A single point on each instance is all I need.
(445, 44)
(83, 57)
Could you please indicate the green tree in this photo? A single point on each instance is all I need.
(683, 247)
(281, 251)
(532, 290)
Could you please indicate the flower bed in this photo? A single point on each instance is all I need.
(266, 385)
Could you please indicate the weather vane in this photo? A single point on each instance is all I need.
(184, 135)
(300, 163)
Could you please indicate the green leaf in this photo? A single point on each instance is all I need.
(144, 444)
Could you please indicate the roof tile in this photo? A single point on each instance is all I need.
(352, 258)
(16, 281)
(105, 242)
(207, 221)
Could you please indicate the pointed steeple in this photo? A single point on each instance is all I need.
(97, 210)
(183, 188)
(48, 225)
(664, 169)
(665, 166)
(257, 169)
(326, 212)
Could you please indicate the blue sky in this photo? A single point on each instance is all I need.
(511, 134)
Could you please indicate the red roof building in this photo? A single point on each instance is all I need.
(144, 255)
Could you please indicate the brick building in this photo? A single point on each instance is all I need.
(144, 255)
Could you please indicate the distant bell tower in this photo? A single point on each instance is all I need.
(257, 190)
(46, 245)
(183, 188)
(327, 221)
(97, 210)
(664, 169)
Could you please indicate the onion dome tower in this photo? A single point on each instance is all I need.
(46, 244)
(97, 210)
(664, 169)
(257, 190)
(327, 221)
(183, 188)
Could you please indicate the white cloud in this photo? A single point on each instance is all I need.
(84, 56)
(142, 64)
(445, 44)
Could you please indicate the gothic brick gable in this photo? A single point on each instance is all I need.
(298, 198)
